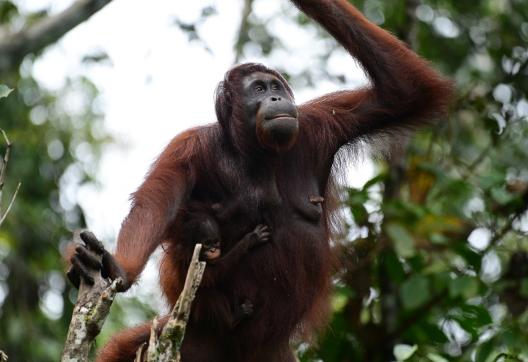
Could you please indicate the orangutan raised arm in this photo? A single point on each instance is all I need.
(405, 91)
(272, 160)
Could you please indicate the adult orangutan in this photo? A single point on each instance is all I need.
(268, 161)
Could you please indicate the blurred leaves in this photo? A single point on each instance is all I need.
(402, 240)
(415, 292)
(4, 91)
(441, 264)
(57, 137)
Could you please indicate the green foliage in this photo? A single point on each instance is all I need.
(442, 274)
(414, 292)
(55, 147)
(35, 303)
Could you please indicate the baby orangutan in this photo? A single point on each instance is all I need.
(213, 302)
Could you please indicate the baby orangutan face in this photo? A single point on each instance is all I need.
(211, 250)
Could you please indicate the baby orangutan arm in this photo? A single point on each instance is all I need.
(221, 265)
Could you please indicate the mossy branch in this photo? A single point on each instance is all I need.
(166, 346)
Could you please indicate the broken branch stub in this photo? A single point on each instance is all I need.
(166, 346)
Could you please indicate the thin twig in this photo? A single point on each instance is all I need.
(507, 356)
(3, 173)
(3, 163)
(90, 311)
(480, 158)
(3, 217)
(509, 224)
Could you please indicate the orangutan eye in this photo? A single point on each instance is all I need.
(275, 86)
(259, 89)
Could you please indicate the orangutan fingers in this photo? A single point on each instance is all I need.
(81, 269)
(73, 277)
(88, 258)
(92, 242)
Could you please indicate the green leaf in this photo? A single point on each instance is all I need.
(4, 91)
(375, 180)
(471, 256)
(484, 351)
(494, 178)
(501, 196)
(394, 267)
(339, 302)
(403, 240)
(415, 292)
(403, 352)
(440, 281)
(472, 318)
(360, 214)
(439, 239)
(463, 286)
(436, 358)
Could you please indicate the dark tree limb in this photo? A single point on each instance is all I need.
(92, 308)
(14, 47)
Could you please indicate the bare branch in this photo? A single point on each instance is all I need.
(14, 47)
(92, 308)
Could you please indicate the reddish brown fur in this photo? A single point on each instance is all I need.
(289, 278)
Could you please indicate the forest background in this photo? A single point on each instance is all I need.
(434, 255)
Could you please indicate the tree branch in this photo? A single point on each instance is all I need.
(92, 308)
(166, 347)
(14, 47)
(242, 37)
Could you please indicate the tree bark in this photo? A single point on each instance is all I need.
(166, 347)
